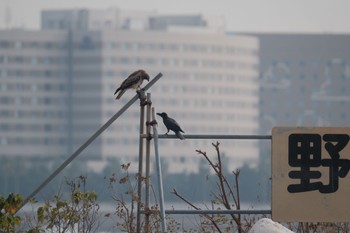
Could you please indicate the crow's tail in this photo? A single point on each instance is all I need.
(179, 135)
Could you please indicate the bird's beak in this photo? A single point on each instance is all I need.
(147, 78)
(159, 114)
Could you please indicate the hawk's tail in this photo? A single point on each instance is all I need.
(120, 94)
(116, 91)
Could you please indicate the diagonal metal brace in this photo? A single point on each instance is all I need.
(88, 142)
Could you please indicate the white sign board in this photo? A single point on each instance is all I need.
(310, 174)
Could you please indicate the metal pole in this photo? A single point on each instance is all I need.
(175, 212)
(139, 188)
(148, 161)
(218, 211)
(159, 171)
(217, 136)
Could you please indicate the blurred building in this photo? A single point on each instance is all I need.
(94, 19)
(304, 81)
(34, 93)
(57, 86)
(115, 19)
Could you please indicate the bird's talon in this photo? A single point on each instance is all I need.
(140, 93)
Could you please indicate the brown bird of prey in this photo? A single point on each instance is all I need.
(134, 81)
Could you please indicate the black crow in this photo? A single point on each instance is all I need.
(171, 124)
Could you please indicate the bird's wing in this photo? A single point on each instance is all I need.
(173, 125)
(132, 80)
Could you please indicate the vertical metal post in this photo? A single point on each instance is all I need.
(139, 191)
(148, 161)
(159, 171)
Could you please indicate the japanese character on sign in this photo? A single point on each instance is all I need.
(304, 152)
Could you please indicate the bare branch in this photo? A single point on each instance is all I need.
(207, 158)
(210, 218)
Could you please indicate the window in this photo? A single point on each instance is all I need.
(48, 73)
(3, 59)
(34, 45)
(125, 46)
(111, 45)
(47, 60)
(124, 60)
(343, 90)
(61, 24)
(19, 73)
(19, 59)
(47, 100)
(135, 46)
(34, 60)
(110, 73)
(18, 45)
(63, 87)
(34, 100)
(111, 60)
(3, 87)
(87, 43)
(18, 100)
(5, 44)
(47, 128)
(4, 141)
(34, 87)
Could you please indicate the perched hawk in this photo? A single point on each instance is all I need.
(171, 124)
(134, 81)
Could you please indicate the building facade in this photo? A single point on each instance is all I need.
(35, 93)
(304, 81)
(209, 87)
(57, 89)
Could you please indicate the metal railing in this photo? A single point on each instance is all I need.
(148, 136)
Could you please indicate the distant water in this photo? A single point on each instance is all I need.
(187, 222)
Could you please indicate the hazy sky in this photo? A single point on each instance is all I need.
(330, 16)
